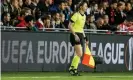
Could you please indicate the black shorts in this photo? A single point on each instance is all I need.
(74, 42)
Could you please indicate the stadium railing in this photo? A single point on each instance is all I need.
(12, 28)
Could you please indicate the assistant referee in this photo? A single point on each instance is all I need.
(77, 36)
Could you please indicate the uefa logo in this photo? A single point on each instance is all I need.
(129, 54)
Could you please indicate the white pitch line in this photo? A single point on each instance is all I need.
(39, 77)
(71, 77)
(113, 76)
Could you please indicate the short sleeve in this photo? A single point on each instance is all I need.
(74, 17)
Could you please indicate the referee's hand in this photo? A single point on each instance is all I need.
(77, 38)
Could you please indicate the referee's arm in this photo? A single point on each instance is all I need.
(72, 21)
(70, 27)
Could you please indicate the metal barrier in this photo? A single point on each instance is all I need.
(61, 29)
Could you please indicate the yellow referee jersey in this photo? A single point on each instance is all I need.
(78, 22)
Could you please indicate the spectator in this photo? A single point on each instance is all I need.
(21, 3)
(14, 9)
(129, 10)
(39, 23)
(76, 5)
(24, 12)
(56, 20)
(94, 9)
(46, 22)
(131, 1)
(29, 4)
(68, 10)
(100, 12)
(35, 2)
(89, 9)
(5, 6)
(61, 8)
(123, 5)
(129, 23)
(6, 19)
(120, 15)
(90, 22)
(122, 27)
(44, 7)
(30, 24)
(105, 5)
(38, 14)
(62, 20)
(100, 23)
(69, 4)
(106, 25)
(27, 11)
(111, 12)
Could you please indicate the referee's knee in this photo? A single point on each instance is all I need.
(78, 50)
(79, 54)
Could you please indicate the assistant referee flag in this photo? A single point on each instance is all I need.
(88, 59)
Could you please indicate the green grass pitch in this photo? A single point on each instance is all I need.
(66, 76)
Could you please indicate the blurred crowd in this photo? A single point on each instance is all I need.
(35, 15)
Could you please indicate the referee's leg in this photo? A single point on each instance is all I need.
(76, 59)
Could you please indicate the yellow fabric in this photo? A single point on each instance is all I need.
(79, 22)
(75, 61)
(90, 61)
(87, 51)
